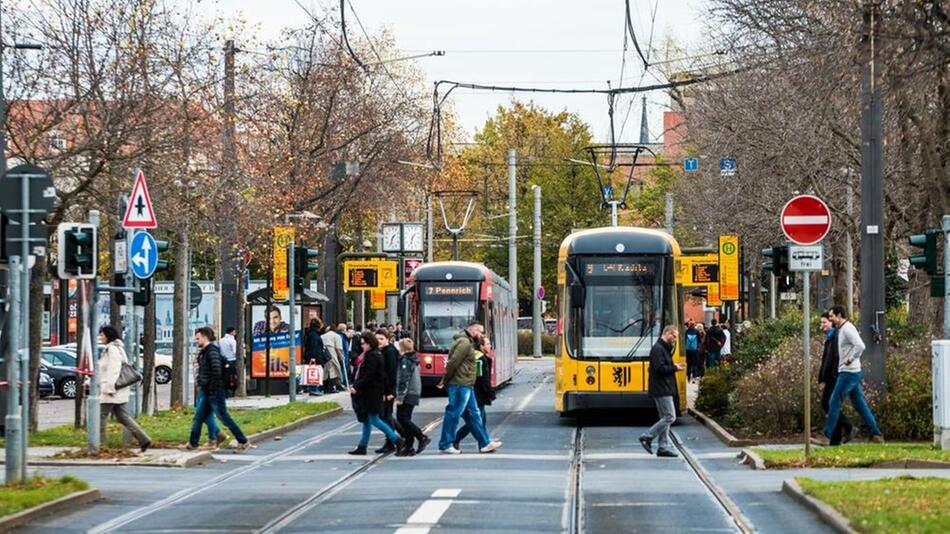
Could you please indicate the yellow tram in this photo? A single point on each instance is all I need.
(617, 288)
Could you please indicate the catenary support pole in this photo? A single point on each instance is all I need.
(93, 438)
(806, 371)
(292, 300)
(873, 328)
(668, 213)
(25, 321)
(849, 251)
(946, 277)
(429, 229)
(536, 297)
(14, 453)
(512, 222)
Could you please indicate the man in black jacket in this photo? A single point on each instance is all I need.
(828, 376)
(662, 389)
(391, 361)
(210, 381)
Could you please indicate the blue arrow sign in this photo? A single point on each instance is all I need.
(691, 164)
(143, 255)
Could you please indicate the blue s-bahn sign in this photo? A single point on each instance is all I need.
(691, 164)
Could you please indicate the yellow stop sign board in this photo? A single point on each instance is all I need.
(369, 275)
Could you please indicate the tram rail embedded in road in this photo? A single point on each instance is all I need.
(573, 520)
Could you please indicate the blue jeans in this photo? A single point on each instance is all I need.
(466, 430)
(372, 419)
(214, 404)
(712, 359)
(849, 385)
(462, 404)
(212, 424)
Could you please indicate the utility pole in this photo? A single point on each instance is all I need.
(849, 249)
(536, 298)
(668, 213)
(14, 443)
(429, 229)
(93, 439)
(512, 223)
(229, 303)
(873, 327)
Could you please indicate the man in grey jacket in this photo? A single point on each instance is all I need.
(848, 385)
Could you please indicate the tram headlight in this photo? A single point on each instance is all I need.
(591, 370)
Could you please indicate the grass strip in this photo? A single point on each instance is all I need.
(36, 491)
(851, 455)
(171, 428)
(903, 504)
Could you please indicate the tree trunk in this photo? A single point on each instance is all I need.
(148, 359)
(37, 279)
(239, 335)
(180, 331)
(115, 317)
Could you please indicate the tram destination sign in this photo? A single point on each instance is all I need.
(615, 268)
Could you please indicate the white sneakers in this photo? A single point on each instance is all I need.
(450, 450)
(491, 446)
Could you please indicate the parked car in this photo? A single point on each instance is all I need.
(63, 378)
(46, 387)
(67, 353)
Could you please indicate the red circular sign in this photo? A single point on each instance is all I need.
(806, 220)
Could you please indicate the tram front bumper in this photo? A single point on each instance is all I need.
(606, 400)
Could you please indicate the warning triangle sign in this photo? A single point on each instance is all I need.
(139, 213)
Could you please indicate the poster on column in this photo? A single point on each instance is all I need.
(279, 341)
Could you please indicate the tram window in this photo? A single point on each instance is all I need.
(442, 314)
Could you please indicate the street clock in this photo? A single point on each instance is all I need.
(392, 237)
(412, 234)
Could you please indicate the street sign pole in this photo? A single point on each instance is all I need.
(806, 372)
(292, 354)
(14, 453)
(131, 351)
(92, 402)
(25, 318)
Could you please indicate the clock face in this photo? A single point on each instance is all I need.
(391, 238)
(412, 237)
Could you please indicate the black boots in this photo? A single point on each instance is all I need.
(360, 450)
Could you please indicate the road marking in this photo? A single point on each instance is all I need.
(187, 493)
(716, 456)
(527, 400)
(429, 512)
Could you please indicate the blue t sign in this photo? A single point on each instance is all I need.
(691, 164)
(143, 255)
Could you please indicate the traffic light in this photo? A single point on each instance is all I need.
(928, 260)
(161, 246)
(78, 251)
(140, 297)
(777, 261)
(769, 255)
(304, 264)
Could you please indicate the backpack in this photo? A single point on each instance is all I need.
(692, 341)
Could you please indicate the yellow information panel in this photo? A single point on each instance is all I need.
(283, 236)
(729, 267)
(702, 271)
(377, 299)
(367, 275)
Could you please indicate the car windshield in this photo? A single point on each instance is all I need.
(622, 314)
(445, 309)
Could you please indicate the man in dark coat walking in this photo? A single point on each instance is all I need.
(390, 359)
(662, 389)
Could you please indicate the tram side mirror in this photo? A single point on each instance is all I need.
(578, 295)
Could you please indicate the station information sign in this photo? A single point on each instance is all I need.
(369, 275)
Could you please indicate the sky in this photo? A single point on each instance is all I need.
(538, 43)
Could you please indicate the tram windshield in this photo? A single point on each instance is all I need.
(625, 307)
(445, 308)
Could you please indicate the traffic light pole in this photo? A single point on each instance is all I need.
(806, 372)
(15, 455)
(772, 288)
(292, 297)
(92, 402)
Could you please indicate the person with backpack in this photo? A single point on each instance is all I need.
(408, 394)
(115, 398)
(714, 342)
(691, 344)
(484, 392)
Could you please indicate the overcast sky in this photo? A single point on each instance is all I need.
(545, 43)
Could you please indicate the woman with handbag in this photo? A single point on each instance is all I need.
(115, 396)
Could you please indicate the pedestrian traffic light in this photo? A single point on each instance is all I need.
(161, 246)
(78, 252)
(928, 242)
(769, 255)
(304, 264)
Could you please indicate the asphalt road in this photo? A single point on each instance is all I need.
(544, 479)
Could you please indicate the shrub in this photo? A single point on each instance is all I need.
(714, 389)
(526, 343)
(769, 399)
(757, 342)
(907, 410)
(900, 330)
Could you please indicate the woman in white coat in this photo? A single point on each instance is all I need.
(114, 400)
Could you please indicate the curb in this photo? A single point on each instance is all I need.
(829, 515)
(912, 464)
(749, 457)
(63, 503)
(724, 436)
(268, 434)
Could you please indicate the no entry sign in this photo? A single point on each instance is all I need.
(806, 220)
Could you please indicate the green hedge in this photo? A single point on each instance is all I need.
(526, 343)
